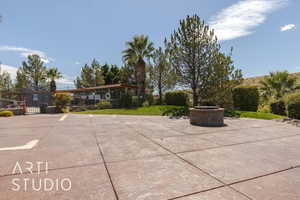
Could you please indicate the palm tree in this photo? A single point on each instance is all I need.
(139, 49)
(278, 84)
(53, 74)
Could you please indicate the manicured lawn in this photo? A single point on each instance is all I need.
(159, 110)
(149, 110)
(258, 115)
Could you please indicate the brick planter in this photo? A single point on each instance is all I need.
(207, 116)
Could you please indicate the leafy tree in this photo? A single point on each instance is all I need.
(223, 77)
(91, 76)
(32, 74)
(5, 81)
(127, 75)
(53, 74)
(193, 48)
(162, 75)
(111, 75)
(277, 85)
(137, 51)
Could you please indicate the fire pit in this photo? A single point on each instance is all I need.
(210, 116)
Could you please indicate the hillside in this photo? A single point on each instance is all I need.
(256, 80)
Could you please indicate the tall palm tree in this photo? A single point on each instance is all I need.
(53, 74)
(278, 84)
(139, 49)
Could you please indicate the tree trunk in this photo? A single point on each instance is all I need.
(195, 97)
(141, 77)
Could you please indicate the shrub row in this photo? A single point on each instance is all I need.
(246, 97)
(292, 105)
(176, 98)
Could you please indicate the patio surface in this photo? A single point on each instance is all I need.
(110, 157)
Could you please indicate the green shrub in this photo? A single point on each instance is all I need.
(264, 108)
(278, 107)
(292, 103)
(150, 99)
(135, 101)
(176, 112)
(176, 98)
(104, 104)
(207, 102)
(145, 104)
(125, 100)
(62, 102)
(246, 97)
(6, 113)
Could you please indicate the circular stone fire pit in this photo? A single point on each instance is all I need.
(207, 116)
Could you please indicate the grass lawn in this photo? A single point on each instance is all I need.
(149, 110)
(258, 115)
(159, 110)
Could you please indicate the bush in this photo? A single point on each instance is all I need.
(292, 103)
(278, 107)
(246, 97)
(176, 98)
(135, 101)
(207, 102)
(6, 113)
(177, 112)
(125, 100)
(62, 102)
(104, 104)
(150, 99)
(145, 104)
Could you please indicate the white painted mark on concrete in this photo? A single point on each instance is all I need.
(91, 115)
(63, 118)
(28, 146)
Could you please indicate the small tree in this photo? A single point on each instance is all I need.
(91, 76)
(193, 47)
(162, 75)
(5, 80)
(53, 74)
(32, 74)
(62, 101)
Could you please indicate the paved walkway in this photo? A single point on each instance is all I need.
(147, 158)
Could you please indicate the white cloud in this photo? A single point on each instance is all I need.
(66, 80)
(24, 52)
(10, 69)
(77, 63)
(239, 19)
(288, 27)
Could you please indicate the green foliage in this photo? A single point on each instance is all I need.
(6, 113)
(125, 100)
(278, 107)
(292, 102)
(32, 74)
(177, 111)
(192, 47)
(53, 74)
(150, 99)
(246, 98)
(5, 80)
(145, 104)
(162, 75)
(62, 101)
(254, 115)
(176, 98)
(264, 108)
(148, 110)
(136, 101)
(104, 104)
(222, 79)
(91, 76)
(277, 85)
(137, 50)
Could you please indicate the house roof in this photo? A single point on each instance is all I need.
(97, 87)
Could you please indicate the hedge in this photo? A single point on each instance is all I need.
(6, 113)
(292, 102)
(104, 105)
(278, 107)
(176, 98)
(246, 97)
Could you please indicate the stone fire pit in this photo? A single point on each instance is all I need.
(207, 116)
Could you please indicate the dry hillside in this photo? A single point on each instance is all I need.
(256, 80)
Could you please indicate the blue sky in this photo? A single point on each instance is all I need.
(68, 34)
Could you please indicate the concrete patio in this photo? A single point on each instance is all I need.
(151, 158)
